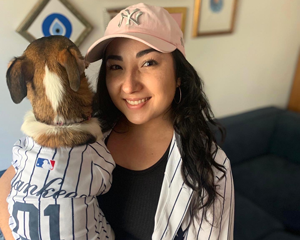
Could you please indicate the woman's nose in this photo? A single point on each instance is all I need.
(131, 82)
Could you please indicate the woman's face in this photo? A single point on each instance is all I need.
(140, 80)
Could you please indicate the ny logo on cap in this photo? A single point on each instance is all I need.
(129, 17)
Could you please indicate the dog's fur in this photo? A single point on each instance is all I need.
(51, 74)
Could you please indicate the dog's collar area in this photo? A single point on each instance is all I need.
(50, 135)
(81, 120)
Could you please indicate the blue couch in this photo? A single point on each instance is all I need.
(264, 148)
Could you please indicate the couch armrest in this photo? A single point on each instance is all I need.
(286, 138)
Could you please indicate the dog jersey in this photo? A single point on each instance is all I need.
(53, 193)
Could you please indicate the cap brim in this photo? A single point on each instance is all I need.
(96, 51)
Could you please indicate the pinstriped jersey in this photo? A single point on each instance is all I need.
(173, 216)
(53, 193)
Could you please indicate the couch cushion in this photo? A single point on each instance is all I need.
(252, 222)
(281, 236)
(291, 219)
(286, 140)
(272, 182)
(249, 134)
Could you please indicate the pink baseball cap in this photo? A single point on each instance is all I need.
(151, 25)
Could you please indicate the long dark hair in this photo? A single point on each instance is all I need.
(191, 119)
(194, 120)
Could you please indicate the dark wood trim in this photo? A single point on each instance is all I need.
(294, 103)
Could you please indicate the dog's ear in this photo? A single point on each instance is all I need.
(82, 64)
(19, 72)
(73, 65)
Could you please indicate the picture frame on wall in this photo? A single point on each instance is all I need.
(212, 17)
(113, 12)
(178, 13)
(54, 17)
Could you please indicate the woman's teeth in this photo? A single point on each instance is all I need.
(137, 102)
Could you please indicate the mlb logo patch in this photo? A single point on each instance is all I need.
(45, 163)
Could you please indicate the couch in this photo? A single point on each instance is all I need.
(264, 148)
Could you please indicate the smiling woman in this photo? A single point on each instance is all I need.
(171, 180)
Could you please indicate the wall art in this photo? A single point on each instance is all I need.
(213, 17)
(54, 17)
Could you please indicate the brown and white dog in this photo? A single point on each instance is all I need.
(62, 164)
(51, 74)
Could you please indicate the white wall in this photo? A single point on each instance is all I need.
(251, 68)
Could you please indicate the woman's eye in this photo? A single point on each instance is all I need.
(115, 67)
(149, 63)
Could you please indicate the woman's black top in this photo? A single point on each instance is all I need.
(130, 204)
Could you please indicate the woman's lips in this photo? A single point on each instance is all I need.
(136, 103)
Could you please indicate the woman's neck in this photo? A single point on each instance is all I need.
(148, 130)
(138, 147)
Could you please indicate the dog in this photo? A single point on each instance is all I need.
(61, 164)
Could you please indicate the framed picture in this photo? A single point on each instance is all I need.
(113, 12)
(54, 17)
(178, 13)
(214, 17)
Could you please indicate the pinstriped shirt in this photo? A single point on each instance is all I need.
(53, 193)
(173, 216)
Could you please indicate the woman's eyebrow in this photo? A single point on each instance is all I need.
(146, 51)
(138, 55)
(114, 57)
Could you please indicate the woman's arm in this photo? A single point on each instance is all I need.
(5, 190)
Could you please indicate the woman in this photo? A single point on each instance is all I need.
(171, 180)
